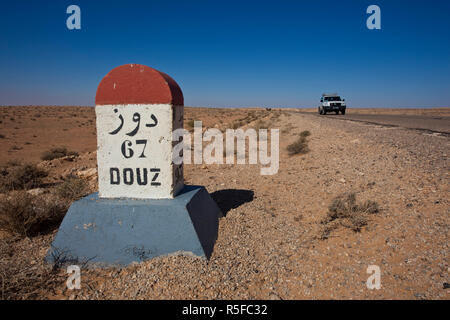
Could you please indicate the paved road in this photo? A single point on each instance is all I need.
(439, 124)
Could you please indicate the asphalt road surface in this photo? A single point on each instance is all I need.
(440, 124)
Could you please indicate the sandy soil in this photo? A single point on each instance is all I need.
(269, 244)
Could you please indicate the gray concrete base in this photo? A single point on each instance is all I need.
(104, 232)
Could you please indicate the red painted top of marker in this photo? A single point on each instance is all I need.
(138, 84)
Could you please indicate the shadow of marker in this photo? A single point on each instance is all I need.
(228, 199)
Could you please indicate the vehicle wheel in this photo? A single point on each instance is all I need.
(320, 110)
(324, 112)
(343, 112)
(337, 112)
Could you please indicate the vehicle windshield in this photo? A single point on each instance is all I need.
(332, 98)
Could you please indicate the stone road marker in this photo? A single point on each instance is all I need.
(142, 209)
(134, 133)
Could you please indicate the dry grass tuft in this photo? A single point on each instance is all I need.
(26, 215)
(287, 128)
(72, 188)
(261, 124)
(305, 133)
(300, 146)
(58, 152)
(237, 124)
(346, 211)
(13, 163)
(20, 177)
(190, 125)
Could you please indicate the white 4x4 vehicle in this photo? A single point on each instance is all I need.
(331, 102)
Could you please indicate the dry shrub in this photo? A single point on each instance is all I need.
(25, 276)
(13, 163)
(26, 215)
(346, 211)
(305, 133)
(260, 124)
(275, 116)
(57, 152)
(237, 124)
(72, 188)
(247, 119)
(300, 146)
(252, 114)
(19, 177)
(287, 128)
(190, 125)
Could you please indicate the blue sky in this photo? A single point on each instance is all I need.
(231, 53)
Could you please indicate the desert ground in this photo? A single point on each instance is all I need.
(278, 238)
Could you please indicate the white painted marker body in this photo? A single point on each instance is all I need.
(134, 151)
